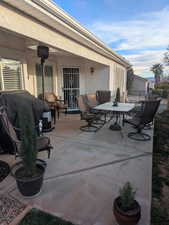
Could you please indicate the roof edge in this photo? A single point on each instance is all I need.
(68, 19)
(53, 12)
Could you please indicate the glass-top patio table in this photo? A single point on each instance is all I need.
(120, 109)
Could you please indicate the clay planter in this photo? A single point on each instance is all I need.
(130, 217)
(29, 187)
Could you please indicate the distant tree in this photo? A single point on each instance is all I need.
(157, 69)
(130, 77)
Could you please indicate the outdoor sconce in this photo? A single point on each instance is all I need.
(91, 70)
(43, 53)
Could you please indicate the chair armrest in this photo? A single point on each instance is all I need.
(17, 129)
(60, 100)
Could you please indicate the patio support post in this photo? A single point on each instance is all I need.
(43, 79)
(43, 53)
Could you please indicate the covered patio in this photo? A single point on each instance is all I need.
(78, 63)
(66, 74)
(85, 172)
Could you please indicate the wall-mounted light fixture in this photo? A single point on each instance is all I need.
(91, 70)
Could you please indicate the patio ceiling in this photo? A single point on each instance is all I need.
(11, 40)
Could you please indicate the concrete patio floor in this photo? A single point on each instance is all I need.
(86, 170)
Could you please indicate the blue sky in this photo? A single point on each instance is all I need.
(139, 30)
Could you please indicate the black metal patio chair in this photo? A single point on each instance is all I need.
(143, 119)
(10, 139)
(103, 96)
(90, 118)
(91, 102)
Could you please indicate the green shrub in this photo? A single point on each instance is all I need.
(163, 93)
(158, 91)
(163, 85)
(38, 217)
(159, 215)
(162, 89)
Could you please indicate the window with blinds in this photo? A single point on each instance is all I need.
(48, 78)
(11, 77)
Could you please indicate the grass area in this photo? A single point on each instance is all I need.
(37, 217)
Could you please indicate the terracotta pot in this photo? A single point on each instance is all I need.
(130, 217)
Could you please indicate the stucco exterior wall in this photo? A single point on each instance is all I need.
(89, 82)
(139, 86)
(118, 77)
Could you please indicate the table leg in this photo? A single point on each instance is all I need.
(116, 126)
(123, 120)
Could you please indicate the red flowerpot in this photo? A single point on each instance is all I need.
(130, 217)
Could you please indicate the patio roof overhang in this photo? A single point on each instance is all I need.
(58, 22)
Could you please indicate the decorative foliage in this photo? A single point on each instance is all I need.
(162, 89)
(28, 142)
(160, 172)
(36, 216)
(127, 196)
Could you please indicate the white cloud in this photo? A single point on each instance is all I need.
(148, 31)
(143, 60)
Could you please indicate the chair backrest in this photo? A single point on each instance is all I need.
(81, 104)
(50, 97)
(103, 96)
(149, 109)
(91, 100)
(10, 139)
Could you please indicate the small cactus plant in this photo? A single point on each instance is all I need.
(118, 95)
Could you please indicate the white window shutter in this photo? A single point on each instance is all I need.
(11, 76)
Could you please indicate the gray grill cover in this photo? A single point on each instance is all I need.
(13, 100)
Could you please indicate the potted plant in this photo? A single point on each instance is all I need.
(28, 172)
(126, 209)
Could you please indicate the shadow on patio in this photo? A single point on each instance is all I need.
(86, 170)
